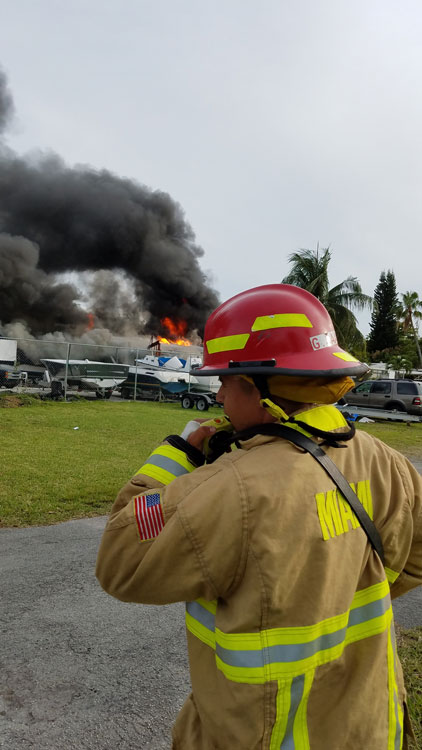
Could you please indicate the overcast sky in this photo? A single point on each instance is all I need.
(277, 125)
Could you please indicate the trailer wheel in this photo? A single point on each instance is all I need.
(125, 393)
(57, 390)
(202, 404)
(187, 402)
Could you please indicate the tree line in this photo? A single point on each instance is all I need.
(394, 335)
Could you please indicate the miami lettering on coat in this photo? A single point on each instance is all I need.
(335, 514)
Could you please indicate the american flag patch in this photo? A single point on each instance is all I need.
(149, 515)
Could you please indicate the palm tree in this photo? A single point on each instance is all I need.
(411, 312)
(310, 272)
(399, 364)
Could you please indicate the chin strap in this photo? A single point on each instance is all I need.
(266, 401)
(221, 442)
(275, 410)
(278, 412)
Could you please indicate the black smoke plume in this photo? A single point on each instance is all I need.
(55, 219)
(6, 103)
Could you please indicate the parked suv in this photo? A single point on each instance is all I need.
(398, 395)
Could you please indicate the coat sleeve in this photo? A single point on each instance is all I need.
(405, 538)
(193, 546)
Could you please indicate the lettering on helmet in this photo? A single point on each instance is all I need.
(323, 340)
(335, 514)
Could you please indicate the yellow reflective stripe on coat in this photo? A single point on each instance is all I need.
(392, 575)
(165, 464)
(200, 621)
(227, 343)
(395, 711)
(276, 653)
(290, 731)
(281, 320)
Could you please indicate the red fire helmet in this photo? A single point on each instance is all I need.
(276, 329)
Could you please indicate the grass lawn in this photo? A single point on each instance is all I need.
(51, 472)
(405, 437)
(409, 645)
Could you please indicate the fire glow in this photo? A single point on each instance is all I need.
(176, 330)
(91, 322)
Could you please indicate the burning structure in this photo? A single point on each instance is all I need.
(134, 253)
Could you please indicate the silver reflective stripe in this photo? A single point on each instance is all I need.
(293, 652)
(207, 619)
(397, 738)
(296, 695)
(280, 653)
(369, 611)
(163, 462)
(285, 653)
(244, 658)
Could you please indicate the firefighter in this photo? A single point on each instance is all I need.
(289, 619)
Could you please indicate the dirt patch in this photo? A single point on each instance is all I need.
(9, 401)
(13, 400)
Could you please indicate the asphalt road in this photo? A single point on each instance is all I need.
(80, 670)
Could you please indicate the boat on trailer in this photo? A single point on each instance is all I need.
(165, 376)
(85, 374)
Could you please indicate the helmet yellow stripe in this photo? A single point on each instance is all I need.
(281, 320)
(345, 356)
(227, 343)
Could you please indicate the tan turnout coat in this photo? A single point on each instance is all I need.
(289, 621)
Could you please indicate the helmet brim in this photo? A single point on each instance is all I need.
(356, 371)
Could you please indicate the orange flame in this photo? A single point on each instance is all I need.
(91, 322)
(177, 330)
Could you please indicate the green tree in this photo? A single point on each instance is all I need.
(310, 271)
(400, 364)
(410, 314)
(384, 323)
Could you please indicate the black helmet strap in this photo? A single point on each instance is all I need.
(331, 438)
(261, 382)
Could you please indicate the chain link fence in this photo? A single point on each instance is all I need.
(62, 369)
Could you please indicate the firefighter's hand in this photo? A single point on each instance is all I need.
(197, 437)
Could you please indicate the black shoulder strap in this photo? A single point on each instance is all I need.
(329, 466)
